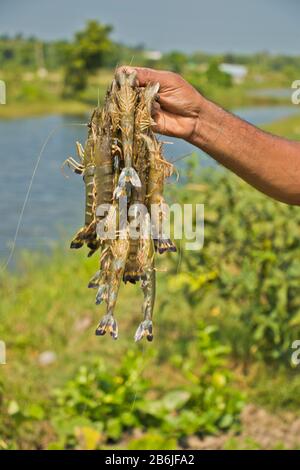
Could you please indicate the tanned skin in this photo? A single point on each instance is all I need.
(269, 163)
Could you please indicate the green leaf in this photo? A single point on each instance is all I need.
(34, 411)
(175, 400)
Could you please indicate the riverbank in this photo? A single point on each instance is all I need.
(29, 96)
(288, 127)
(69, 107)
(49, 100)
(62, 107)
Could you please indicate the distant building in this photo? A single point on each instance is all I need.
(236, 71)
(153, 55)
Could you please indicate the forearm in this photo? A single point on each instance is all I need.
(269, 163)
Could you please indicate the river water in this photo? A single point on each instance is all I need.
(55, 205)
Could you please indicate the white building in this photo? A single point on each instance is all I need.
(236, 71)
(153, 55)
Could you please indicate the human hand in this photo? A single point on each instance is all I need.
(177, 110)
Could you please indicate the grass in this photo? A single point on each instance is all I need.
(289, 127)
(238, 96)
(65, 107)
(42, 311)
(45, 306)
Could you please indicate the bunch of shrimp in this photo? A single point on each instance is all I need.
(124, 171)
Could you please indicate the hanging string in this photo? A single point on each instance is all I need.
(51, 133)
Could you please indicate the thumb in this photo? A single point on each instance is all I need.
(172, 125)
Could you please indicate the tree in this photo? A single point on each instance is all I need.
(76, 78)
(176, 61)
(93, 44)
(86, 54)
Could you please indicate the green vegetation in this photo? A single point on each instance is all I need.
(113, 391)
(72, 75)
(249, 269)
(231, 344)
(225, 316)
(86, 55)
(289, 127)
(110, 403)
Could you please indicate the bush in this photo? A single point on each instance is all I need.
(100, 406)
(247, 275)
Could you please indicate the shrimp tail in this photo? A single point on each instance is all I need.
(95, 280)
(76, 243)
(133, 278)
(162, 245)
(93, 245)
(108, 323)
(145, 329)
(78, 239)
(128, 175)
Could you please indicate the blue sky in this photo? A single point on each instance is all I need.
(188, 25)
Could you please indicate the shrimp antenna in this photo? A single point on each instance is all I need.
(179, 261)
(177, 176)
(182, 157)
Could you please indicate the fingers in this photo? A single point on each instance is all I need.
(160, 124)
(164, 124)
(158, 116)
(172, 125)
(155, 108)
(145, 75)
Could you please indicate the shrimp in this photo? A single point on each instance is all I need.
(146, 259)
(86, 168)
(127, 98)
(119, 250)
(123, 168)
(103, 172)
(100, 279)
(159, 170)
(148, 286)
(143, 122)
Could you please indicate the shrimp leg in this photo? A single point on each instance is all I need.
(148, 287)
(119, 250)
